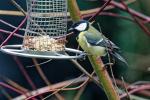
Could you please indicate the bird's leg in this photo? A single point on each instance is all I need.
(86, 53)
(84, 56)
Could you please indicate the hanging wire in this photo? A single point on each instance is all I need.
(39, 63)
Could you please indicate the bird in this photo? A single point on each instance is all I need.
(93, 42)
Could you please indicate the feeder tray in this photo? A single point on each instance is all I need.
(45, 34)
(18, 51)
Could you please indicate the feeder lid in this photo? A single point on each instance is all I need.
(18, 51)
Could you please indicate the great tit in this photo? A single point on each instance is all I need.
(94, 42)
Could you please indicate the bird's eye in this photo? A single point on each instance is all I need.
(81, 27)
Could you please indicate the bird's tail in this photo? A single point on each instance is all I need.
(119, 57)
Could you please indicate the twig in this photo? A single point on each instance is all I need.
(18, 6)
(80, 92)
(17, 86)
(125, 88)
(37, 66)
(12, 33)
(100, 10)
(42, 63)
(21, 67)
(8, 32)
(11, 13)
(56, 86)
(80, 86)
(113, 3)
(137, 14)
(139, 88)
(112, 15)
(59, 97)
(23, 71)
(143, 27)
(10, 25)
(144, 93)
(61, 89)
(81, 68)
(58, 89)
(87, 13)
(94, 10)
(8, 96)
(11, 88)
(141, 82)
(14, 84)
(78, 95)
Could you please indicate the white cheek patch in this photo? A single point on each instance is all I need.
(81, 27)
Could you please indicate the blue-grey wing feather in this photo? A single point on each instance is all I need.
(98, 41)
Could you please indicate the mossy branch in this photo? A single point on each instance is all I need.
(74, 10)
(104, 78)
(97, 65)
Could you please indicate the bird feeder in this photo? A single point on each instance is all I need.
(45, 34)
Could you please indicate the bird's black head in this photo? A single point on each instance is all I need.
(80, 26)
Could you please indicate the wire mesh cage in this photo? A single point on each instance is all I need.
(46, 25)
(45, 34)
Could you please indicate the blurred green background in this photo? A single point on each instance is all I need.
(134, 43)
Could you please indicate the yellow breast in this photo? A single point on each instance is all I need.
(93, 50)
(83, 41)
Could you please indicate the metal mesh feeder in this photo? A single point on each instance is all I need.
(45, 34)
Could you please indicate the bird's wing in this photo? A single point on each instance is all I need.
(107, 43)
(100, 41)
